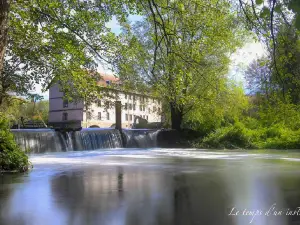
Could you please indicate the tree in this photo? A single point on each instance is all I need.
(4, 10)
(56, 40)
(269, 80)
(258, 77)
(270, 20)
(181, 50)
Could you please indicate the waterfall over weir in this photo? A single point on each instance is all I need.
(48, 140)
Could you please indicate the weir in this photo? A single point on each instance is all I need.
(48, 140)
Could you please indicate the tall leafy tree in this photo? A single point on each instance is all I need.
(276, 22)
(58, 39)
(182, 50)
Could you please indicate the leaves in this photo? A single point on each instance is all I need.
(264, 12)
(54, 39)
(259, 2)
(181, 54)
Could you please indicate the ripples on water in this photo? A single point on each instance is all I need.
(151, 186)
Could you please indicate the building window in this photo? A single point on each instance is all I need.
(126, 117)
(89, 115)
(107, 115)
(99, 115)
(144, 108)
(125, 106)
(141, 108)
(130, 97)
(133, 97)
(107, 104)
(99, 103)
(154, 108)
(130, 106)
(133, 106)
(125, 96)
(130, 117)
(147, 118)
(65, 116)
(158, 110)
(65, 103)
(108, 82)
(149, 110)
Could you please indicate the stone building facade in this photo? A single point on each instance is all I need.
(101, 113)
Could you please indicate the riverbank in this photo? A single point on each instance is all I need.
(12, 158)
(236, 136)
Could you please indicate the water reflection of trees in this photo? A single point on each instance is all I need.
(200, 198)
(144, 195)
(7, 182)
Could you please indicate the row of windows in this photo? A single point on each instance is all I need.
(88, 116)
(107, 104)
(142, 108)
(128, 117)
(141, 98)
(99, 116)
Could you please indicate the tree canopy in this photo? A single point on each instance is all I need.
(181, 50)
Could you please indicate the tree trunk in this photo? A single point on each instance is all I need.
(4, 9)
(176, 116)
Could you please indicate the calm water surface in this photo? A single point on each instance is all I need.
(154, 186)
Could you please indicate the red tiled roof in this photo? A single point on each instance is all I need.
(107, 77)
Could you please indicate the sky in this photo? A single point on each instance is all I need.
(239, 60)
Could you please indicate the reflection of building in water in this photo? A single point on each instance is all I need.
(166, 194)
(115, 195)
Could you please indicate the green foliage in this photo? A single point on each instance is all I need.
(51, 40)
(220, 108)
(189, 66)
(238, 136)
(259, 2)
(282, 113)
(15, 108)
(275, 127)
(233, 136)
(12, 158)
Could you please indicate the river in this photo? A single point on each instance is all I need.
(154, 186)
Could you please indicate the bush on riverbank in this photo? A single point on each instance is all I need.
(239, 136)
(12, 158)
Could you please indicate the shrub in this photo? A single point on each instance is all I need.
(12, 158)
(233, 136)
(279, 137)
(238, 135)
